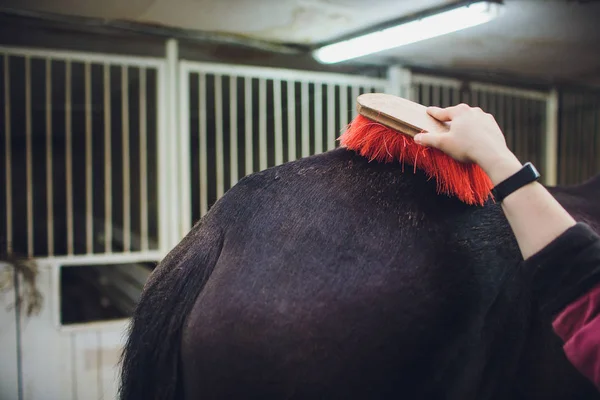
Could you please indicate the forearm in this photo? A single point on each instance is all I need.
(535, 217)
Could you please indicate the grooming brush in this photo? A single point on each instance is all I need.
(384, 130)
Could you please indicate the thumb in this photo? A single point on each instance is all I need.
(429, 139)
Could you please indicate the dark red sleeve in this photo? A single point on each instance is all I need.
(578, 325)
(567, 287)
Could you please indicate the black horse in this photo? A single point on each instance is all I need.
(335, 278)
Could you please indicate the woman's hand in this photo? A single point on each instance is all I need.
(474, 136)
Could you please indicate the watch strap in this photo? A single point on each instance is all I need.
(527, 174)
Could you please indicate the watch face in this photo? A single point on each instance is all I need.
(533, 168)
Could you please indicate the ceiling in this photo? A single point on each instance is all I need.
(555, 40)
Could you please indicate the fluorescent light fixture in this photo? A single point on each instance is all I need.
(414, 31)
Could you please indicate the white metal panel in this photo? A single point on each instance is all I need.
(95, 357)
(66, 147)
(111, 344)
(9, 379)
(302, 95)
(85, 369)
(43, 376)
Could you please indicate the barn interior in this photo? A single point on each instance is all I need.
(121, 123)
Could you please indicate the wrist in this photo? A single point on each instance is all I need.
(501, 167)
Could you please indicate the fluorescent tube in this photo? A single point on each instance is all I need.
(414, 31)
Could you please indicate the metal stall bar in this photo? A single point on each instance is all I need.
(89, 214)
(518, 117)
(126, 155)
(178, 168)
(219, 135)
(107, 163)
(343, 105)
(455, 98)
(436, 95)
(318, 104)
(355, 93)
(278, 121)
(474, 98)
(331, 134)
(162, 154)
(304, 104)
(29, 161)
(7, 156)
(425, 94)
(248, 125)
(291, 105)
(184, 146)
(49, 194)
(233, 129)
(69, 153)
(262, 123)
(203, 146)
(143, 163)
(501, 115)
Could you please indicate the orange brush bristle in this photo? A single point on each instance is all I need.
(375, 141)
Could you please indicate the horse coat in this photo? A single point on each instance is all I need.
(332, 277)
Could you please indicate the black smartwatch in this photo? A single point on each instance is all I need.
(524, 176)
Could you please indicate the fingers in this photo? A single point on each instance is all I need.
(448, 113)
(429, 139)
